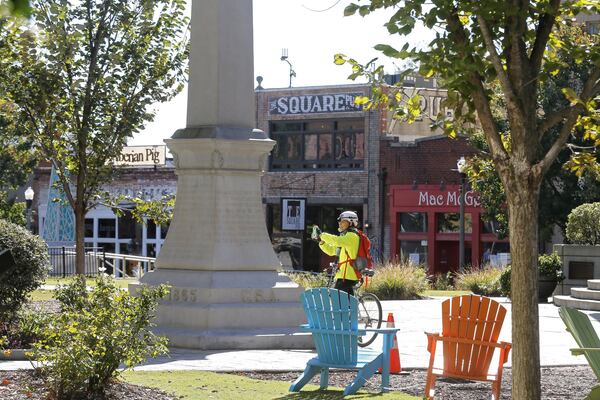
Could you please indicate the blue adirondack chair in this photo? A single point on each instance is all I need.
(333, 321)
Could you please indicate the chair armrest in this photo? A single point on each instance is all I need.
(384, 331)
(582, 350)
(437, 336)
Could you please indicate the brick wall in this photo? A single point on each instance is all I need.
(425, 161)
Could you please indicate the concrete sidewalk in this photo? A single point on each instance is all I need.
(413, 317)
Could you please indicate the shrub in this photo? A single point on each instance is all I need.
(443, 281)
(96, 331)
(395, 281)
(308, 280)
(548, 265)
(583, 224)
(30, 268)
(24, 329)
(505, 281)
(482, 281)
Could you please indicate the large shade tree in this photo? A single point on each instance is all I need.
(561, 190)
(83, 76)
(482, 43)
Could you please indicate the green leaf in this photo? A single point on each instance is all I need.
(350, 10)
(388, 50)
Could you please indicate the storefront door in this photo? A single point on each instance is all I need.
(446, 258)
(447, 254)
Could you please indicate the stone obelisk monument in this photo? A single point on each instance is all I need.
(226, 292)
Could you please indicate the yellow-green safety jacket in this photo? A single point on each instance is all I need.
(346, 247)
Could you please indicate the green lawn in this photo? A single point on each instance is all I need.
(192, 385)
(41, 295)
(445, 293)
(120, 282)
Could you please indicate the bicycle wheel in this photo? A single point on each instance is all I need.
(369, 316)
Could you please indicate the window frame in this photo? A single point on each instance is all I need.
(302, 164)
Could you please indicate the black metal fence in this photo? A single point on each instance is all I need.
(63, 260)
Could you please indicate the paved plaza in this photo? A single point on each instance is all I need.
(412, 316)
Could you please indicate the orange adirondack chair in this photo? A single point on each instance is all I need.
(470, 328)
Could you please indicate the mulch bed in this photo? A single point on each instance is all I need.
(558, 383)
(26, 385)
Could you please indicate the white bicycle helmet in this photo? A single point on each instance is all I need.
(349, 216)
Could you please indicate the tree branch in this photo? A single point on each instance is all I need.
(542, 34)
(587, 93)
(560, 142)
(507, 86)
(553, 119)
(482, 102)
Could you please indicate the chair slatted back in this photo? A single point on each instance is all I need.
(333, 319)
(475, 318)
(584, 334)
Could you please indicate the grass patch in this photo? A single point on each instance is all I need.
(90, 281)
(192, 385)
(41, 295)
(445, 293)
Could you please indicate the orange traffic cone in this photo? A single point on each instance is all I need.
(395, 367)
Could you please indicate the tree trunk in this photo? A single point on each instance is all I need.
(79, 240)
(522, 199)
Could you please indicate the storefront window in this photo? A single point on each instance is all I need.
(310, 146)
(450, 222)
(325, 146)
(89, 227)
(299, 144)
(150, 250)
(413, 222)
(150, 229)
(414, 251)
(489, 226)
(496, 254)
(164, 229)
(107, 228)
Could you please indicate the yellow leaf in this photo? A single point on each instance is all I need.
(339, 59)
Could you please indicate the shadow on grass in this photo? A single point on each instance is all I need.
(325, 395)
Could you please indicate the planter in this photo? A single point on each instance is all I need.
(546, 285)
(14, 355)
(580, 263)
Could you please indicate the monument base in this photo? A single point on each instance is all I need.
(218, 310)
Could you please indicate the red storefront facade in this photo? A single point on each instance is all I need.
(424, 226)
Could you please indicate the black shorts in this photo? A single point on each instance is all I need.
(345, 285)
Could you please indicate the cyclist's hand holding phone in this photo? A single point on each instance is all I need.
(316, 233)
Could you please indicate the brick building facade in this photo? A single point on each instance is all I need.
(423, 189)
(326, 154)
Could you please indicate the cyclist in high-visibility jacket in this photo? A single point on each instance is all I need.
(345, 246)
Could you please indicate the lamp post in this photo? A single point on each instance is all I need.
(284, 57)
(460, 167)
(29, 193)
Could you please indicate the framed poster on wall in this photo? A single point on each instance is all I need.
(293, 211)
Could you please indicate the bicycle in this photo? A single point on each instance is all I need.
(369, 307)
